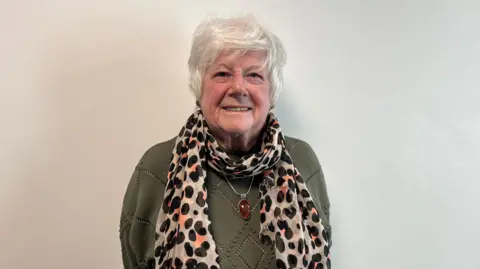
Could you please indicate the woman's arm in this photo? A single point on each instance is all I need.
(126, 219)
(318, 189)
(306, 161)
(141, 204)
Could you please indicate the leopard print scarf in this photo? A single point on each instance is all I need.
(287, 212)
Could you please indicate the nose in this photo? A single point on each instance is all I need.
(238, 82)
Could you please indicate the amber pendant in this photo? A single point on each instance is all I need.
(244, 207)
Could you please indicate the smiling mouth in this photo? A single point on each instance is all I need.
(237, 109)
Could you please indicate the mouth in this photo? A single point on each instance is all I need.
(237, 109)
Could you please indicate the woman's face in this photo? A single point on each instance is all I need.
(235, 96)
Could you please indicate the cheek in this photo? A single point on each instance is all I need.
(211, 94)
(262, 99)
(210, 101)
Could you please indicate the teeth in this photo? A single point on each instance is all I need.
(236, 108)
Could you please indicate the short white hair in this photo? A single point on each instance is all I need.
(242, 34)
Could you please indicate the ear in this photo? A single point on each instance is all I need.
(197, 103)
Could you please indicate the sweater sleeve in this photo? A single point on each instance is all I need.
(141, 204)
(311, 169)
(317, 186)
(126, 219)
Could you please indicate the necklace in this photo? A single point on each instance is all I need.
(243, 204)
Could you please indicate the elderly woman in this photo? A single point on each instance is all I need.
(231, 190)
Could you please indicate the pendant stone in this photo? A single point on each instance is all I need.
(244, 207)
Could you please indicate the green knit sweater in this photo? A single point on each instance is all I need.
(237, 240)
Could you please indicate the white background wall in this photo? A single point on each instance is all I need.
(387, 92)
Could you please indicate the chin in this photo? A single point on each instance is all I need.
(236, 129)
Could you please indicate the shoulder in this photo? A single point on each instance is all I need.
(157, 157)
(303, 155)
(148, 180)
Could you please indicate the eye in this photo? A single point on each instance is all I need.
(255, 75)
(222, 74)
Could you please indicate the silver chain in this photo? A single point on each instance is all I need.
(242, 195)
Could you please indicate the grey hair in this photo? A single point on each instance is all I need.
(239, 35)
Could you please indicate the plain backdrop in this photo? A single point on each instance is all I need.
(387, 93)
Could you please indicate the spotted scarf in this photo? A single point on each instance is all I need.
(287, 212)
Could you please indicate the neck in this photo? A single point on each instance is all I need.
(237, 142)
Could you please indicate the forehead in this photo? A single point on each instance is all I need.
(238, 59)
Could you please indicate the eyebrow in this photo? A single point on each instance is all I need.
(224, 66)
(254, 67)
